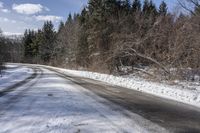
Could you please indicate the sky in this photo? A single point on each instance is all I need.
(18, 15)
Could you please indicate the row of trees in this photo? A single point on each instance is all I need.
(1, 53)
(11, 50)
(39, 46)
(109, 34)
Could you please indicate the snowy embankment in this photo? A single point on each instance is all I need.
(173, 92)
(14, 74)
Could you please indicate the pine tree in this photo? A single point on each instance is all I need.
(149, 8)
(47, 41)
(29, 47)
(37, 42)
(69, 19)
(163, 8)
(126, 5)
(100, 26)
(61, 26)
(82, 55)
(111, 7)
(1, 52)
(152, 8)
(136, 6)
(146, 5)
(96, 24)
(94, 6)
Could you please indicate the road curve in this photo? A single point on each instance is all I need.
(54, 102)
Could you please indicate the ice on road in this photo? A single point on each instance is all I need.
(51, 104)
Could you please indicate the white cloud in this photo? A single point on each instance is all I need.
(28, 8)
(12, 33)
(47, 9)
(13, 21)
(5, 10)
(5, 20)
(2, 19)
(1, 4)
(48, 18)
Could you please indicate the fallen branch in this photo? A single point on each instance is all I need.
(146, 57)
(145, 72)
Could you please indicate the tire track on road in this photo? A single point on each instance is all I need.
(15, 98)
(13, 87)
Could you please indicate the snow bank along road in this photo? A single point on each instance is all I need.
(50, 101)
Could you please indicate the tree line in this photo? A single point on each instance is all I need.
(109, 35)
(11, 50)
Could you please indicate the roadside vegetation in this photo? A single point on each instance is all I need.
(121, 37)
(2, 54)
(11, 50)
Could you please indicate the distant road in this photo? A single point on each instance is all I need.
(54, 102)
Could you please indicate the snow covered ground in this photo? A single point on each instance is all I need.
(51, 104)
(14, 74)
(181, 93)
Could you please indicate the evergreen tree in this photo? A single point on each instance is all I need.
(111, 7)
(69, 19)
(47, 41)
(152, 8)
(82, 55)
(136, 6)
(1, 52)
(94, 6)
(126, 5)
(100, 27)
(146, 5)
(83, 17)
(163, 8)
(29, 47)
(37, 42)
(61, 26)
(149, 8)
(96, 23)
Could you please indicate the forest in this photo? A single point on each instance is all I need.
(109, 36)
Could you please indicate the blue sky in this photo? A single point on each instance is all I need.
(18, 15)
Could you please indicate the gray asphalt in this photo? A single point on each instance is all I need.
(174, 116)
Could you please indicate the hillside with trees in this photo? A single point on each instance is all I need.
(110, 35)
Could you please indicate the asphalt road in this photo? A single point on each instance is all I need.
(172, 116)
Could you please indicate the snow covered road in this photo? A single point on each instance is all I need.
(49, 103)
(53, 102)
(14, 75)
